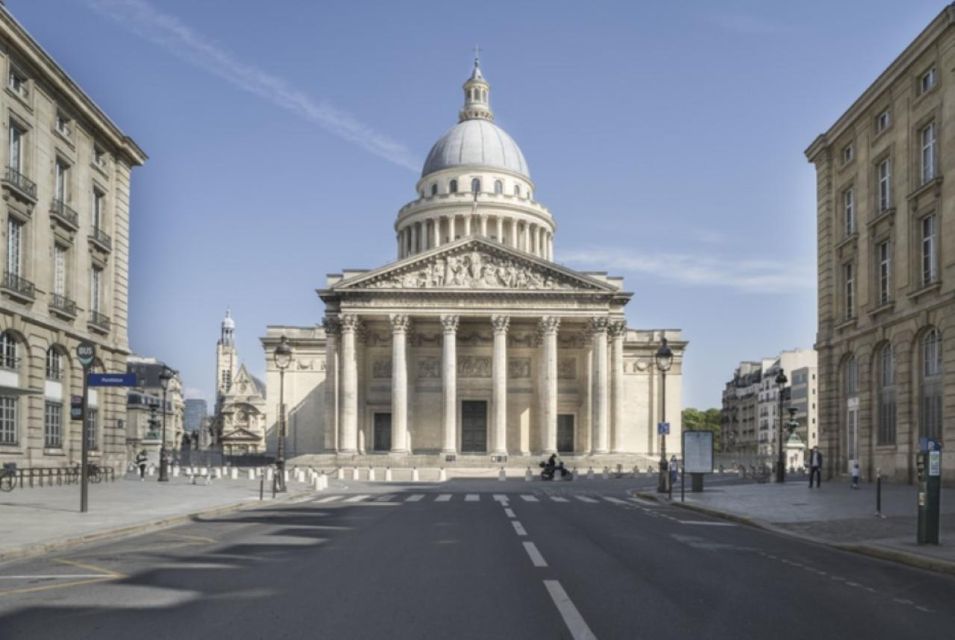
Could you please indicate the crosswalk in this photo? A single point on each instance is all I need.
(395, 498)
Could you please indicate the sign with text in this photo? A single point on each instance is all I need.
(698, 451)
(76, 407)
(663, 428)
(86, 353)
(111, 380)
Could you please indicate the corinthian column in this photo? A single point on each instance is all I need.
(618, 330)
(399, 383)
(449, 383)
(499, 384)
(599, 328)
(348, 442)
(332, 327)
(548, 330)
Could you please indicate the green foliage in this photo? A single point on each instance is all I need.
(707, 420)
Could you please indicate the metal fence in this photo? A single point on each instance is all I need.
(29, 477)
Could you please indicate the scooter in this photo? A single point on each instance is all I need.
(549, 471)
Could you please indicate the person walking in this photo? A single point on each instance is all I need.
(815, 467)
(141, 463)
(855, 475)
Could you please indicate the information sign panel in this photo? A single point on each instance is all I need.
(698, 451)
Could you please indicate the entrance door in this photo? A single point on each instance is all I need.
(565, 433)
(473, 426)
(382, 432)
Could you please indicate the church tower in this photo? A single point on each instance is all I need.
(227, 362)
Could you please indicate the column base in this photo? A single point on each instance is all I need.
(599, 452)
(348, 451)
(399, 452)
(499, 452)
(449, 452)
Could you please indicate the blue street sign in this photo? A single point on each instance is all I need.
(663, 428)
(112, 380)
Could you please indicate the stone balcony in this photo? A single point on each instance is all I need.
(65, 215)
(17, 287)
(20, 185)
(101, 239)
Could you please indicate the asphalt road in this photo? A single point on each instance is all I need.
(469, 559)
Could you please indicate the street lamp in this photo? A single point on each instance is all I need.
(283, 358)
(664, 360)
(781, 381)
(164, 377)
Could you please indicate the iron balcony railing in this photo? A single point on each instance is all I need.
(20, 181)
(101, 238)
(62, 303)
(22, 286)
(65, 213)
(100, 320)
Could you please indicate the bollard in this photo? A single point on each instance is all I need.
(235, 473)
(636, 470)
(286, 476)
(269, 473)
(340, 473)
(606, 473)
(414, 474)
(878, 493)
(527, 476)
(502, 475)
(175, 471)
(251, 474)
(354, 473)
(371, 474)
(590, 473)
(322, 480)
(261, 488)
(387, 474)
(442, 475)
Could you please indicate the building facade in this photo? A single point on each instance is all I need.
(239, 421)
(146, 411)
(886, 238)
(475, 343)
(65, 248)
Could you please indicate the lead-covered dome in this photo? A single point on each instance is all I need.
(476, 142)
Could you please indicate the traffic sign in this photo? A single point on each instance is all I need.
(111, 380)
(663, 428)
(76, 407)
(86, 353)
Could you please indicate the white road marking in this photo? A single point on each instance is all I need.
(329, 499)
(526, 497)
(536, 558)
(614, 500)
(415, 497)
(472, 497)
(586, 499)
(57, 576)
(502, 498)
(645, 503)
(575, 622)
(558, 499)
(707, 523)
(509, 513)
(385, 498)
(357, 498)
(518, 528)
(444, 497)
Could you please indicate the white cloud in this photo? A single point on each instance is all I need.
(749, 276)
(170, 33)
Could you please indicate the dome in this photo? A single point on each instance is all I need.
(476, 142)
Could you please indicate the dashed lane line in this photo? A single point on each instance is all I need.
(526, 497)
(444, 497)
(328, 499)
(519, 528)
(558, 499)
(536, 558)
(587, 499)
(509, 513)
(357, 498)
(614, 500)
(708, 523)
(472, 497)
(575, 622)
(414, 497)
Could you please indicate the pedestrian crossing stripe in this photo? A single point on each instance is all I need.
(586, 499)
(558, 499)
(475, 497)
(528, 498)
(614, 500)
(444, 497)
(357, 498)
(472, 497)
(329, 499)
(415, 497)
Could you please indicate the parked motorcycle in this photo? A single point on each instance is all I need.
(549, 471)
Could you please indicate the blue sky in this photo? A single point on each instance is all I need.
(666, 138)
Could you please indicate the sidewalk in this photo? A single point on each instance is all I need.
(837, 515)
(39, 520)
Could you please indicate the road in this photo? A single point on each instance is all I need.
(469, 559)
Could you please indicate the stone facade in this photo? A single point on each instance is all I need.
(65, 245)
(886, 239)
(475, 344)
(239, 421)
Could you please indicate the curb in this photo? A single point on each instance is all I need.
(130, 531)
(882, 553)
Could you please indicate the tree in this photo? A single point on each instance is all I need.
(706, 420)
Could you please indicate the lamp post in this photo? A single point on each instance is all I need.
(282, 357)
(663, 360)
(164, 377)
(781, 381)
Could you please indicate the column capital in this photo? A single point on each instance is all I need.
(350, 322)
(500, 323)
(450, 324)
(332, 325)
(548, 325)
(599, 324)
(400, 323)
(617, 328)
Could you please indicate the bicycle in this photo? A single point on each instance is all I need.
(93, 472)
(8, 476)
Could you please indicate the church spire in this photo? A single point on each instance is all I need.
(477, 105)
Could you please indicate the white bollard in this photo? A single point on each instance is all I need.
(340, 473)
(371, 474)
(590, 473)
(502, 475)
(269, 474)
(235, 473)
(387, 474)
(322, 480)
(152, 470)
(203, 471)
(175, 471)
(442, 475)
(527, 476)
(414, 474)
(251, 474)
(354, 473)
(286, 476)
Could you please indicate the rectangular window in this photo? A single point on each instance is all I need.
(848, 279)
(99, 200)
(92, 416)
(882, 121)
(54, 365)
(96, 282)
(16, 148)
(848, 153)
(63, 125)
(14, 247)
(927, 136)
(929, 250)
(927, 81)
(61, 173)
(53, 425)
(848, 210)
(17, 82)
(99, 156)
(885, 184)
(59, 270)
(885, 271)
(886, 417)
(8, 420)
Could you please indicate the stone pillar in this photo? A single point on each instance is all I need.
(618, 331)
(452, 223)
(332, 327)
(483, 226)
(348, 442)
(414, 238)
(467, 225)
(399, 383)
(499, 384)
(500, 229)
(436, 231)
(548, 330)
(599, 327)
(514, 228)
(449, 383)
(535, 240)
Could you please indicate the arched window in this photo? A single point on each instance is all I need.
(498, 187)
(886, 395)
(434, 188)
(930, 405)
(453, 186)
(475, 185)
(8, 351)
(850, 381)
(851, 377)
(54, 364)
(517, 190)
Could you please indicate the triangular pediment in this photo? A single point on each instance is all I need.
(241, 435)
(475, 264)
(245, 384)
